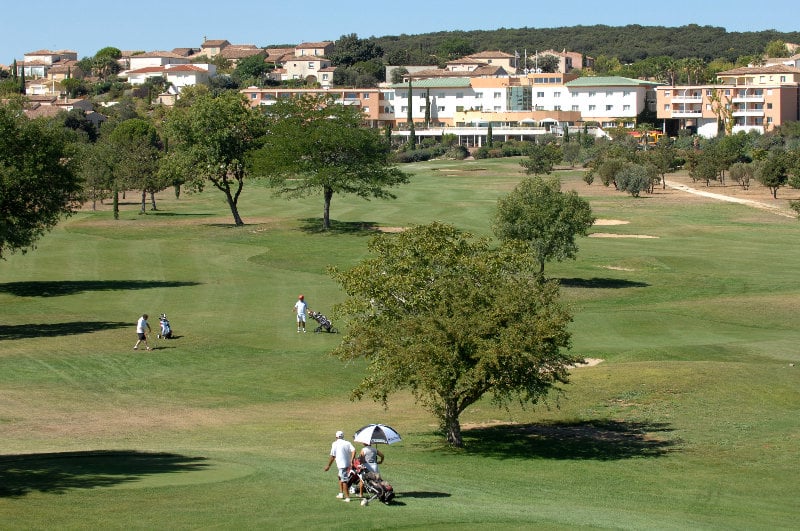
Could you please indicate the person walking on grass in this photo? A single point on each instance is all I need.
(300, 307)
(342, 452)
(141, 325)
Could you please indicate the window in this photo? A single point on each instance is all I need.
(440, 108)
(727, 92)
(540, 94)
(769, 105)
(325, 77)
(609, 107)
(592, 94)
(666, 106)
(761, 79)
(783, 79)
(575, 108)
(498, 95)
(422, 109)
(626, 93)
(769, 119)
(253, 96)
(387, 110)
(365, 96)
(667, 93)
(708, 106)
(459, 95)
(478, 95)
(365, 109)
(404, 108)
(708, 92)
(592, 107)
(626, 107)
(497, 108)
(311, 65)
(556, 94)
(609, 93)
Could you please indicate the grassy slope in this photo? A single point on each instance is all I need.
(689, 423)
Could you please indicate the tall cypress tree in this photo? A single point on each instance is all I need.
(428, 108)
(412, 137)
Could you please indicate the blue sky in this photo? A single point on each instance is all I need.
(87, 26)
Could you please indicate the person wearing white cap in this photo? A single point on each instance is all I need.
(300, 307)
(342, 452)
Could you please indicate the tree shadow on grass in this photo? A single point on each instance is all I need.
(58, 288)
(602, 283)
(182, 214)
(363, 228)
(32, 330)
(58, 472)
(597, 440)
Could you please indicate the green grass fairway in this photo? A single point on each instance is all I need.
(689, 422)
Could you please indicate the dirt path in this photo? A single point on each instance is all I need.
(750, 202)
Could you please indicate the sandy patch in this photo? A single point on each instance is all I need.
(391, 229)
(588, 362)
(618, 268)
(607, 222)
(609, 235)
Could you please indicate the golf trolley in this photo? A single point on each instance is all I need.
(325, 324)
(373, 485)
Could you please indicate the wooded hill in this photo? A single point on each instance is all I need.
(627, 43)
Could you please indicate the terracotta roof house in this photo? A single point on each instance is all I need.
(276, 55)
(235, 52)
(319, 49)
(213, 47)
(157, 58)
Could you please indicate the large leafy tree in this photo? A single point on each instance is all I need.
(539, 214)
(38, 182)
(442, 314)
(137, 149)
(210, 138)
(541, 158)
(316, 144)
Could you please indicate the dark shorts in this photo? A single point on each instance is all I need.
(141, 336)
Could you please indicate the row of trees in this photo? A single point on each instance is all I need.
(300, 146)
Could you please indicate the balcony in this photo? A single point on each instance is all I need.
(688, 99)
(748, 98)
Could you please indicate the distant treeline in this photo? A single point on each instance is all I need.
(628, 44)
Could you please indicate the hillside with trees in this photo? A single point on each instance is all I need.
(627, 43)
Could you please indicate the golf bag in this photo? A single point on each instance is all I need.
(374, 486)
(166, 329)
(324, 323)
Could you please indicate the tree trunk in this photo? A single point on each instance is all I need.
(144, 202)
(326, 209)
(116, 203)
(451, 426)
(237, 220)
(153, 201)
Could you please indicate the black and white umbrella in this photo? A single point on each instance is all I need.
(377, 433)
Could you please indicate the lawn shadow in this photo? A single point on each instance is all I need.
(33, 330)
(364, 228)
(423, 494)
(58, 288)
(602, 283)
(58, 472)
(182, 214)
(597, 440)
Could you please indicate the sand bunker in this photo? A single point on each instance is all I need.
(589, 362)
(609, 235)
(606, 222)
